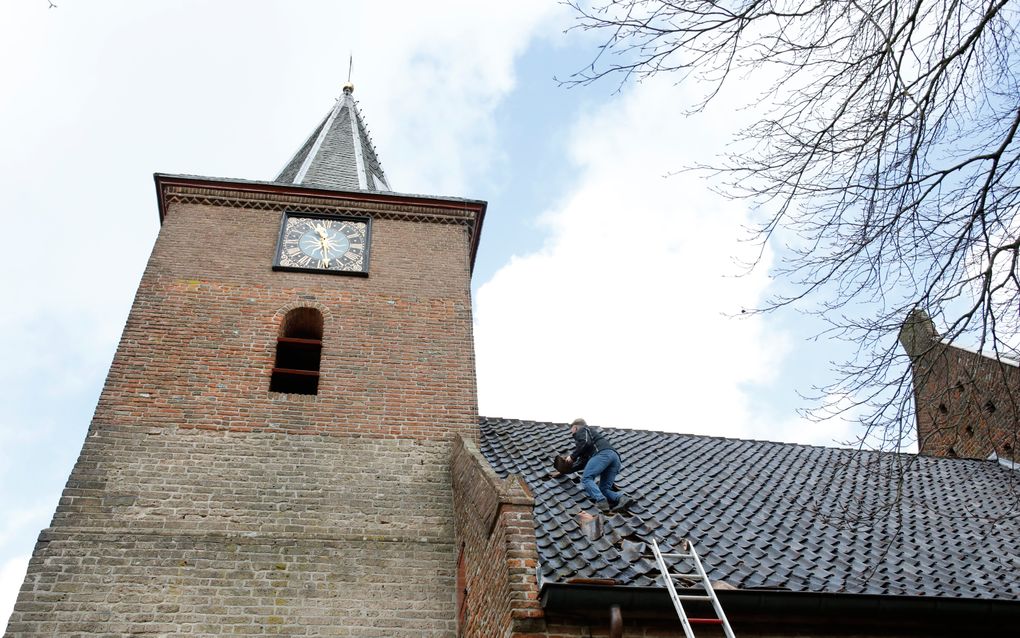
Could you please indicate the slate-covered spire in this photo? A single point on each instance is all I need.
(338, 154)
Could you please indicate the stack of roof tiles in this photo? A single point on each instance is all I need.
(769, 515)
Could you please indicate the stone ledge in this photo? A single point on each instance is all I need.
(489, 493)
(78, 533)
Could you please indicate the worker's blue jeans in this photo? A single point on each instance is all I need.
(604, 466)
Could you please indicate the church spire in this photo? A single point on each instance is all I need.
(338, 154)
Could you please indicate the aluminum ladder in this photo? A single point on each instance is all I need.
(698, 575)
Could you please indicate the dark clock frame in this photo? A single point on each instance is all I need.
(322, 271)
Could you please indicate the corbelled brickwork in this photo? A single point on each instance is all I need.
(204, 504)
(967, 404)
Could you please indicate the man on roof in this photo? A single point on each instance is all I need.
(594, 452)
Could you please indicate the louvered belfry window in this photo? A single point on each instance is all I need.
(298, 352)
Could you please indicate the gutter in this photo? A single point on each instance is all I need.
(747, 608)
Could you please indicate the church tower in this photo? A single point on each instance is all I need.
(270, 453)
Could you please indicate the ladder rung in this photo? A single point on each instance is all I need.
(670, 579)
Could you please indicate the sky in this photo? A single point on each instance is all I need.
(603, 288)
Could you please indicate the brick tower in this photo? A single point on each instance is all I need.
(270, 452)
(966, 403)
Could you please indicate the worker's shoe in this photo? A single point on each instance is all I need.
(623, 503)
(603, 506)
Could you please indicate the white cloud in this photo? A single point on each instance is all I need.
(622, 316)
(104, 94)
(16, 522)
(440, 84)
(12, 569)
(12, 573)
(799, 429)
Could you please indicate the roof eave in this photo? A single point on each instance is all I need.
(744, 606)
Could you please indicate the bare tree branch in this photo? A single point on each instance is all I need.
(888, 160)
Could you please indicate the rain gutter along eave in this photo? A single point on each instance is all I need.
(778, 607)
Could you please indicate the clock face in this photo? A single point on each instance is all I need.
(323, 244)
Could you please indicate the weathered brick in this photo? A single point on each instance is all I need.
(202, 503)
(966, 403)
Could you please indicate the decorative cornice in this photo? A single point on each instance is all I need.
(279, 197)
(314, 205)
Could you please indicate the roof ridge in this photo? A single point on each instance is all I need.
(831, 448)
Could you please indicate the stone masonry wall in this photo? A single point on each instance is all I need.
(168, 585)
(203, 504)
(192, 481)
(216, 533)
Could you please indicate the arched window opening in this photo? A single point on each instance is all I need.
(298, 352)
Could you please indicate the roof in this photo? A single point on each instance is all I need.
(338, 154)
(767, 515)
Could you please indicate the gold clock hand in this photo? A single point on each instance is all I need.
(325, 252)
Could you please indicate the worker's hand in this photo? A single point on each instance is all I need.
(555, 474)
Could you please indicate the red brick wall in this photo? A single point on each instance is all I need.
(199, 345)
(966, 403)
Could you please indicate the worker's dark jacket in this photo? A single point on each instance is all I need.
(588, 441)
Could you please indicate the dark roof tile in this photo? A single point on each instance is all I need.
(775, 515)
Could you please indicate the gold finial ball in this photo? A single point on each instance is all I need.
(349, 88)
